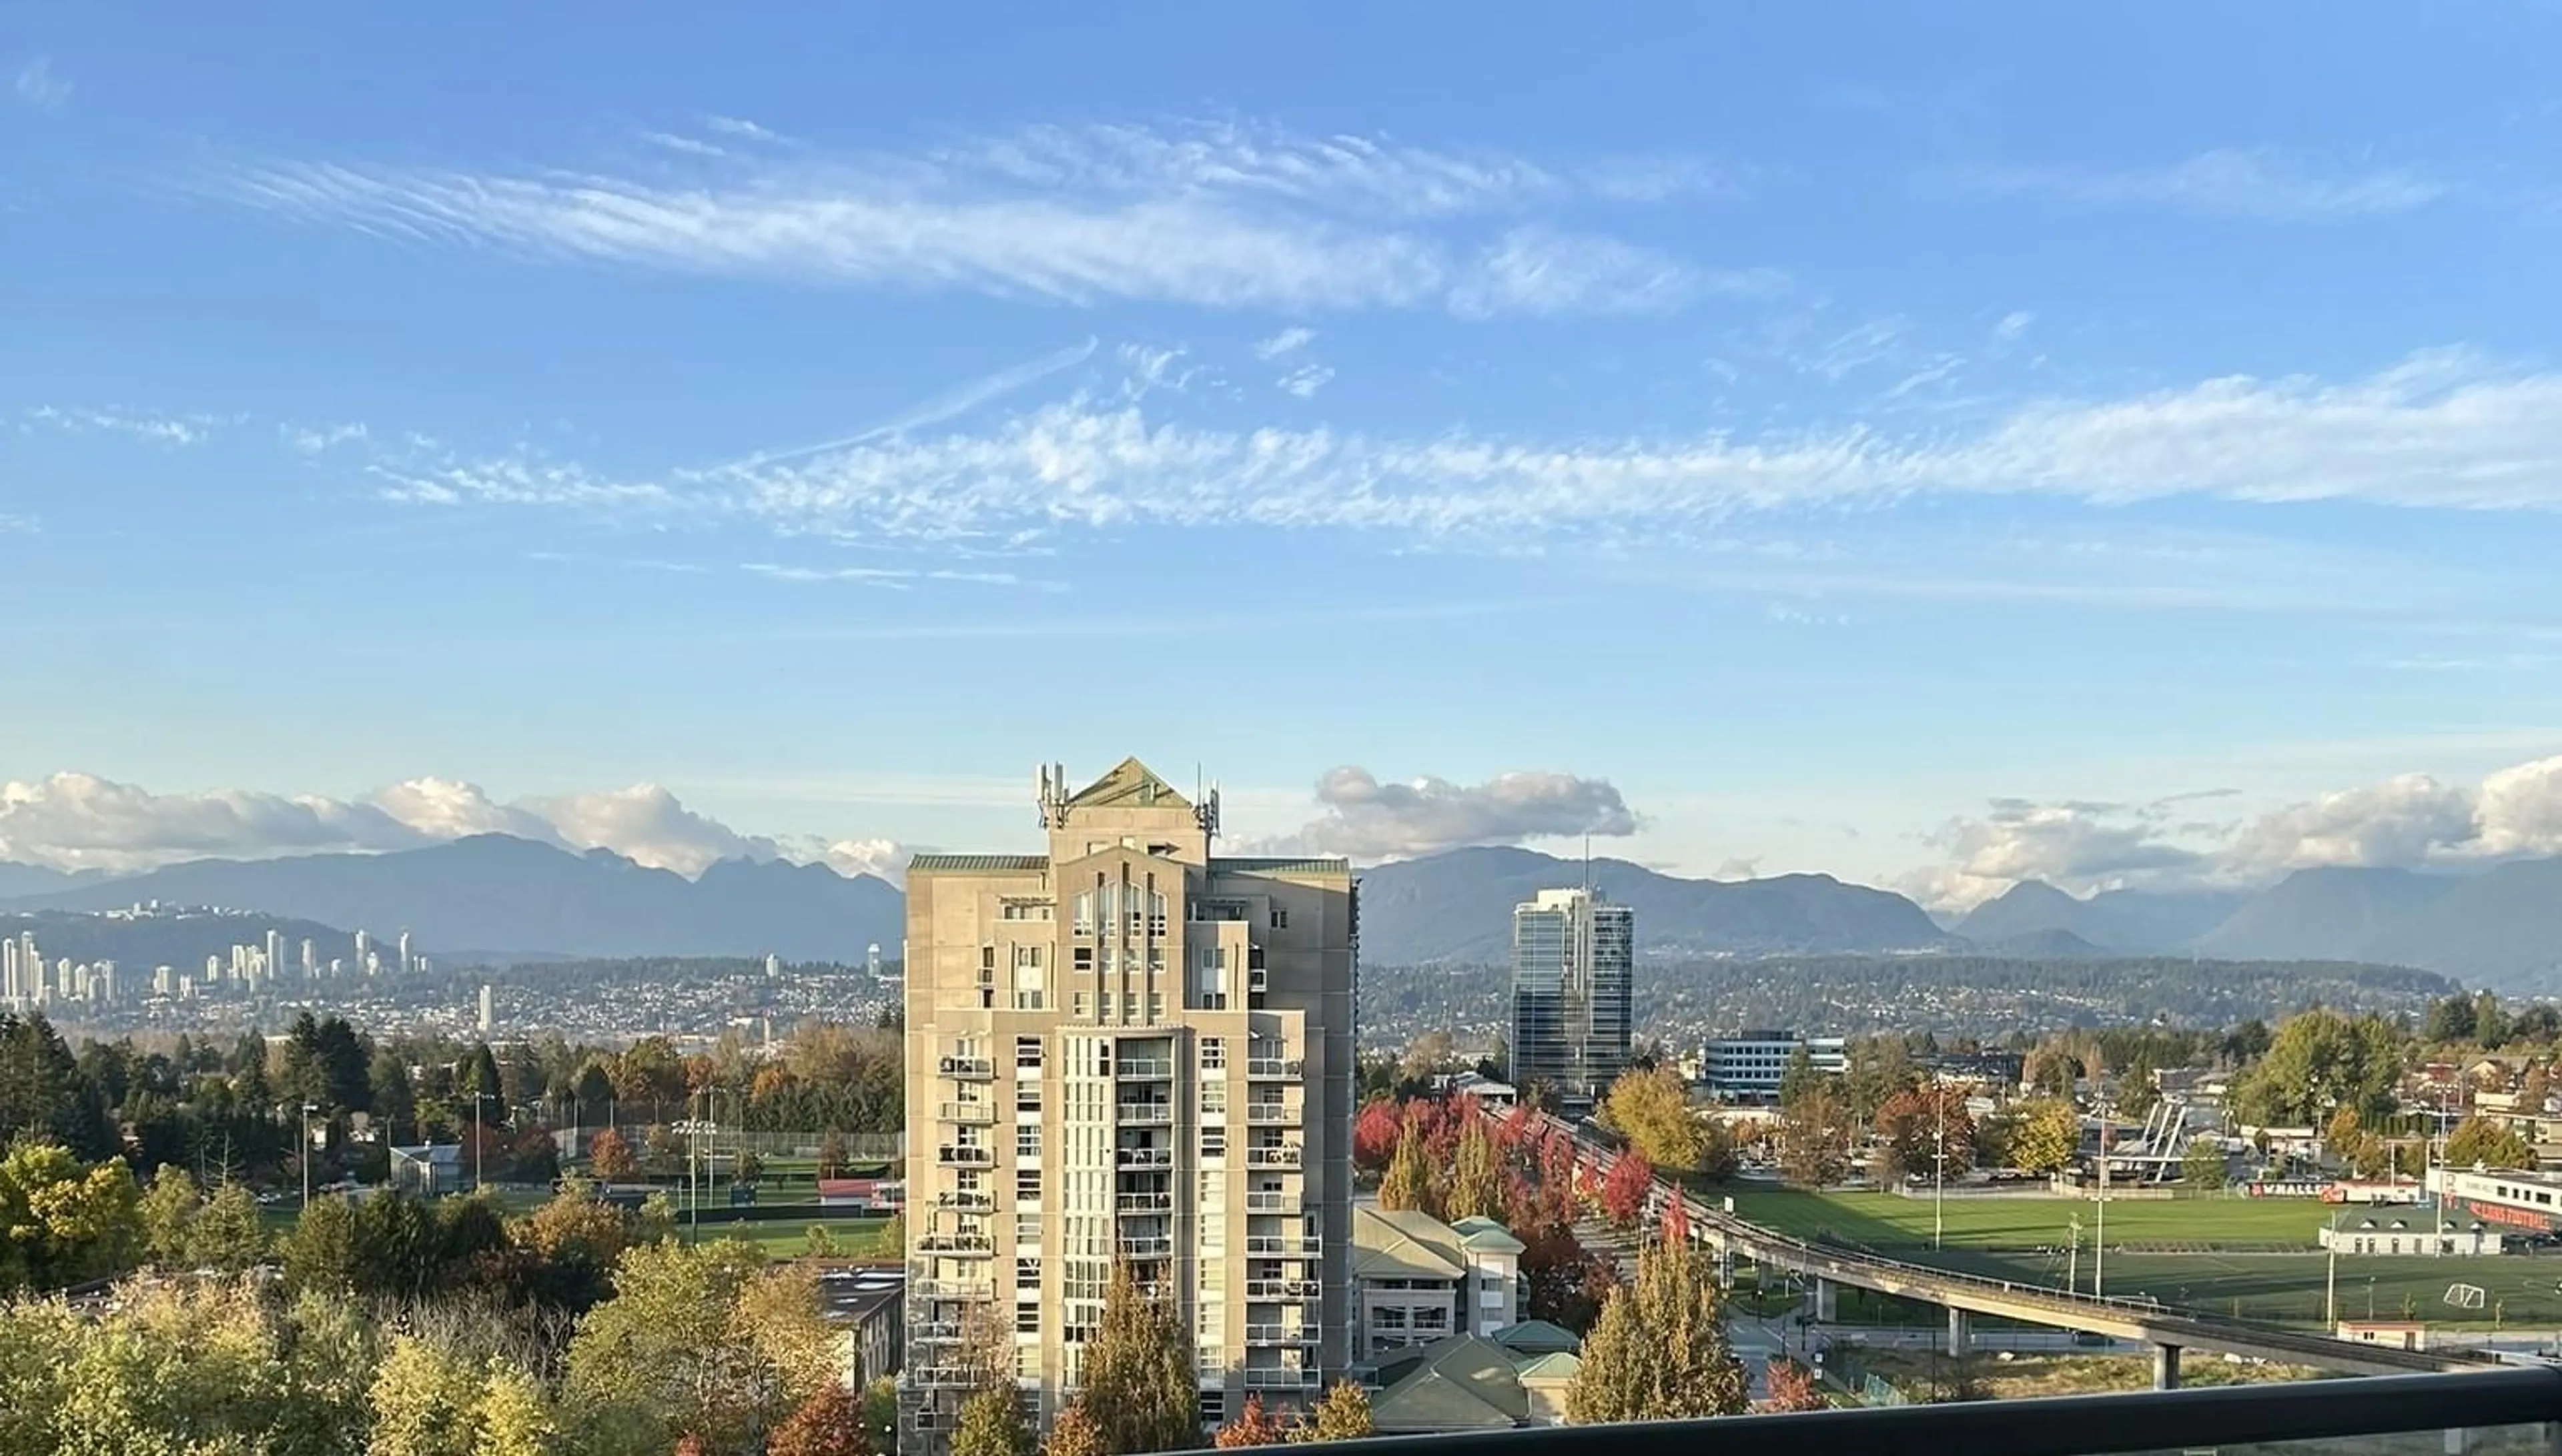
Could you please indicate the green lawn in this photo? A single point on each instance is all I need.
(856, 1238)
(1889, 1222)
(2213, 1255)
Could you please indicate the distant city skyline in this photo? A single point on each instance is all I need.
(1912, 454)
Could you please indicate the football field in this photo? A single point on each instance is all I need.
(2248, 1258)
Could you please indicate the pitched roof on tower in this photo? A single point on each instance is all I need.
(1131, 784)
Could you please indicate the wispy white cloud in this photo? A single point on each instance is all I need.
(2013, 326)
(164, 429)
(2259, 184)
(1306, 380)
(1204, 214)
(952, 404)
(1288, 341)
(39, 86)
(896, 579)
(307, 440)
(688, 146)
(741, 128)
(19, 525)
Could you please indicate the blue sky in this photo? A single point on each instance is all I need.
(1932, 447)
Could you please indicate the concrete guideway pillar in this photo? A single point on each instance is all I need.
(2166, 1366)
(1962, 1332)
(1827, 1301)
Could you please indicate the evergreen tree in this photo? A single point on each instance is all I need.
(992, 1424)
(320, 1253)
(227, 1232)
(167, 1213)
(1659, 1351)
(1139, 1379)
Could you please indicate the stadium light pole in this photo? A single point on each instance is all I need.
(1940, 1168)
(308, 1108)
(2330, 1277)
(2100, 1233)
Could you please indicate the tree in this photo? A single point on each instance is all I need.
(512, 1418)
(1800, 1078)
(1718, 1157)
(1408, 1183)
(2318, 1060)
(611, 1156)
(1625, 1192)
(1343, 1415)
(670, 1352)
(1792, 1389)
(831, 1423)
(1253, 1426)
(1075, 1432)
(1925, 1130)
(1659, 1351)
(227, 1232)
(1476, 1188)
(1652, 1111)
(62, 1221)
(2044, 1134)
(1814, 1138)
(426, 1402)
(1566, 1282)
(320, 1253)
(881, 1412)
(2480, 1142)
(1376, 1133)
(831, 1156)
(1139, 1380)
(2203, 1165)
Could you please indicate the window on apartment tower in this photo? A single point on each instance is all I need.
(1027, 1319)
(1213, 1052)
(1280, 918)
(1028, 1140)
(1028, 1185)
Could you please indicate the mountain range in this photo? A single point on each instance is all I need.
(2501, 927)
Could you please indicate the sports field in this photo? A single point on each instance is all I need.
(2214, 1255)
(1887, 1222)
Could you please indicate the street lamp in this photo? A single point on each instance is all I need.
(692, 1127)
(2330, 1276)
(308, 1108)
(1940, 1165)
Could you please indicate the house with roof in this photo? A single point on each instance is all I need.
(1419, 1281)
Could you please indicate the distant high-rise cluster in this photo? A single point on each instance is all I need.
(1573, 959)
(30, 980)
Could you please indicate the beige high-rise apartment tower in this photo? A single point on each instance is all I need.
(1126, 1049)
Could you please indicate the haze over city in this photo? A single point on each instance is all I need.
(1938, 464)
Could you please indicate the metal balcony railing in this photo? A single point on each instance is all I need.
(1262, 1202)
(1147, 1248)
(1272, 1113)
(1271, 1068)
(952, 1154)
(1144, 1069)
(1280, 1289)
(965, 1202)
(1282, 1155)
(965, 1289)
(1144, 1112)
(1279, 1337)
(1145, 1203)
(1142, 1156)
(969, 1114)
(1283, 1246)
(1307, 1380)
(2517, 1409)
(977, 1245)
(967, 1068)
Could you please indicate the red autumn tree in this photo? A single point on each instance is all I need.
(1566, 1282)
(611, 1156)
(829, 1423)
(1253, 1426)
(1625, 1190)
(1792, 1389)
(1375, 1135)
